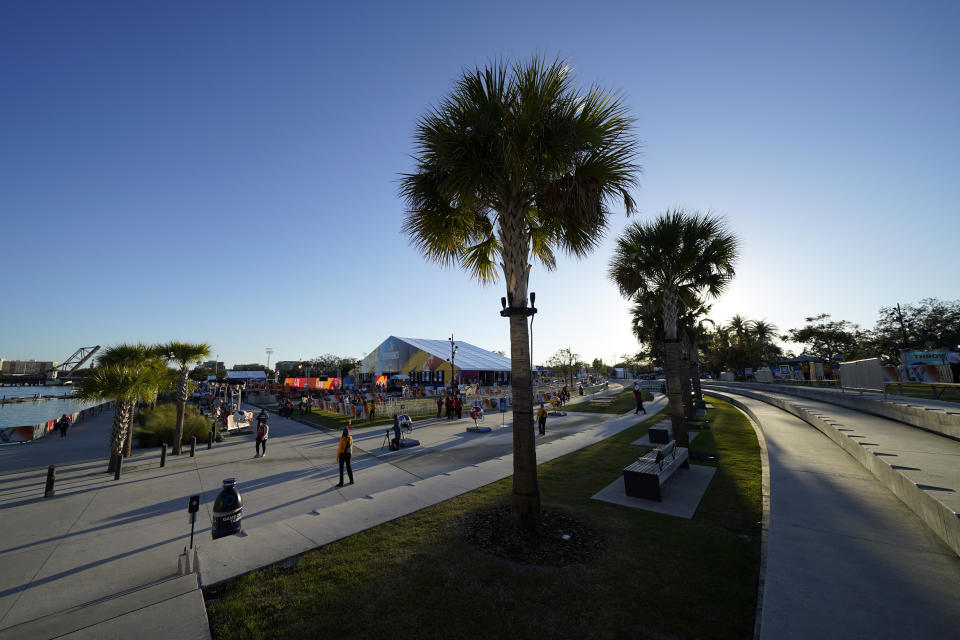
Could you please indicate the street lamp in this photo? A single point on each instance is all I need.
(533, 299)
(453, 355)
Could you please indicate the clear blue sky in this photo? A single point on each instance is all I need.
(227, 172)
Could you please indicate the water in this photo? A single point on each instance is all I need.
(21, 414)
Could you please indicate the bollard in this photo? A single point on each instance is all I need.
(51, 478)
(118, 462)
(163, 454)
(193, 446)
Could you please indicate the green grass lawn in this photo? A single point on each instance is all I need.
(337, 421)
(659, 576)
(621, 403)
(927, 391)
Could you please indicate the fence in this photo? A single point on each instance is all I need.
(36, 431)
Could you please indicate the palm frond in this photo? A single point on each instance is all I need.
(511, 141)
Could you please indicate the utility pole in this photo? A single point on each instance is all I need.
(453, 355)
(903, 329)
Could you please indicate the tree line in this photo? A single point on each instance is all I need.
(744, 343)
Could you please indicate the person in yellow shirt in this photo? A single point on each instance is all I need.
(542, 420)
(344, 453)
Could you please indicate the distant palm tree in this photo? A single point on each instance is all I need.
(135, 355)
(183, 354)
(764, 333)
(668, 259)
(126, 385)
(515, 163)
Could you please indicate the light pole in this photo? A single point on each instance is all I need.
(453, 355)
(269, 351)
(533, 300)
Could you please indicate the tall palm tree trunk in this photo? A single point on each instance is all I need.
(686, 386)
(182, 389)
(671, 368)
(695, 377)
(128, 435)
(526, 490)
(516, 272)
(123, 409)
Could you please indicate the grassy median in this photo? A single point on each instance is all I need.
(659, 576)
(619, 403)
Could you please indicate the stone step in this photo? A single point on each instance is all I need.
(172, 607)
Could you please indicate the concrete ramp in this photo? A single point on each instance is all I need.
(919, 466)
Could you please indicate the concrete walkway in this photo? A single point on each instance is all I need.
(845, 557)
(114, 543)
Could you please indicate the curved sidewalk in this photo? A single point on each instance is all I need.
(845, 558)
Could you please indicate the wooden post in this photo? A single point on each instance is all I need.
(51, 479)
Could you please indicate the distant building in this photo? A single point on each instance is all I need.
(427, 362)
(213, 365)
(246, 375)
(26, 367)
(285, 365)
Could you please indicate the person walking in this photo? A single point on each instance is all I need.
(63, 424)
(458, 406)
(344, 453)
(439, 405)
(449, 404)
(542, 420)
(638, 396)
(263, 432)
(371, 409)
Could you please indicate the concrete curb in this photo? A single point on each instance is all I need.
(943, 521)
(234, 556)
(764, 499)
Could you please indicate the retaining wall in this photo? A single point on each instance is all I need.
(30, 432)
(942, 418)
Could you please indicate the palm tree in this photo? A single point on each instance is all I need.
(136, 355)
(183, 354)
(126, 384)
(764, 333)
(513, 164)
(668, 259)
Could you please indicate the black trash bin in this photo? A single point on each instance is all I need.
(227, 510)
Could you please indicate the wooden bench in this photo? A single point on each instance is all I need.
(645, 477)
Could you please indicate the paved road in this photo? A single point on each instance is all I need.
(846, 558)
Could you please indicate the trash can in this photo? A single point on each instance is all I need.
(227, 510)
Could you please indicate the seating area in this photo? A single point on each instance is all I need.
(645, 477)
(661, 433)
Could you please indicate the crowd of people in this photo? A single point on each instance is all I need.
(453, 403)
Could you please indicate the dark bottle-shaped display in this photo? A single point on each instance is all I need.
(227, 510)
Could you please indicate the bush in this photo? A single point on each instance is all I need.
(155, 426)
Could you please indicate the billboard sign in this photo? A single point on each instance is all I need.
(926, 356)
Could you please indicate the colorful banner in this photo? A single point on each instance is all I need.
(927, 356)
(314, 383)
